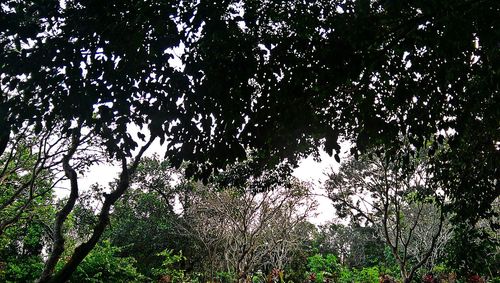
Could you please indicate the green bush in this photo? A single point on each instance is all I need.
(169, 266)
(104, 265)
(24, 269)
(364, 275)
(367, 275)
(323, 267)
(346, 275)
(225, 277)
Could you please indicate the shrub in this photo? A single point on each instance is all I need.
(323, 267)
(104, 265)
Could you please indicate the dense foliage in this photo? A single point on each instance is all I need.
(263, 83)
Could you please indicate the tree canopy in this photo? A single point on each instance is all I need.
(278, 77)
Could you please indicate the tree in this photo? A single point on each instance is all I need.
(82, 250)
(30, 169)
(403, 204)
(149, 206)
(60, 67)
(299, 74)
(473, 250)
(248, 230)
(22, 242)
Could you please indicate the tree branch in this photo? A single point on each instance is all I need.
(103, 219)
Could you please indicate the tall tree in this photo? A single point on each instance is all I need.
(81, 251)
(61, 67)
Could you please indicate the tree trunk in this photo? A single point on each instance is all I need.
(84, 249)
(4, 127)
(62, 215)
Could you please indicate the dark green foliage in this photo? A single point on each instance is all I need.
(474, 250)
(26, 213)
(325, 268)
(143, 225)
(170, 267)
(467, 170)
(370, 72)
(297, 267)
(78, 70)
(22, 269)
(144, 222)
(276, 78)
(363, 275)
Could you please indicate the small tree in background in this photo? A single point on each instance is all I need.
(402, 204)
(249, 230)
(354, 245)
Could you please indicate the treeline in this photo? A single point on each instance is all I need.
(243, 228)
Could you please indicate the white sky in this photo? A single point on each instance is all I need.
(314, 173)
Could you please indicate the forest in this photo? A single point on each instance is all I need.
(204, 109)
